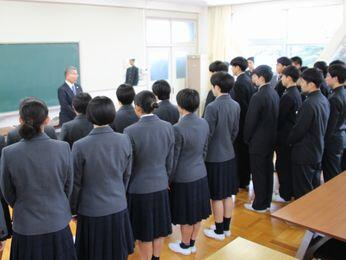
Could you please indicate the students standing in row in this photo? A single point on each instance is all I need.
(102, 167)
(38, 189)
(148, 200)
(189, 192)
(260, 133)
(222, 116)
(307, 135)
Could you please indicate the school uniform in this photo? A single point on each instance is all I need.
(290, 103)
(148, 200)
(335, 134)
(189, 192)
(125, 117)
(167, 112)
(76, 129)
(102, 166)
(242, 92)
(222, 116)
(280, 89)
(38, 189)
(325, 89)
(210, 98)
(307, 141)
(13, 136)
(260, 133)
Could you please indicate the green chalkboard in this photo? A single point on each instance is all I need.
(34, 70)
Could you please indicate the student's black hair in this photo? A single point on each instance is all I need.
(251, 58)
(313, 75)
(147, 101)
(80, 102)
(101, 111)
(297, 59)
(241, 62)
(161, 89)
(264, 71)
(284, 61)
(125, 94)
(335, 62)
(224, 80)
(322, 66)
(188, 99)
(217, 66)
(338, 71)
(303, 68)
(293, 72)
(33, 112)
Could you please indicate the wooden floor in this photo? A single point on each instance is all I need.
(259, 228)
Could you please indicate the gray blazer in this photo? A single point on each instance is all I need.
(222, 116)
(153, 150)
(125, 117)
(37, 187)
(167, 112)
(14, 137)
(190, 149)
(102, 166)
(75, 129)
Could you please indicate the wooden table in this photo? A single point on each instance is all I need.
(241, 248)
(321, 211)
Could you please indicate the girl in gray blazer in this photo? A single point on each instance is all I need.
(38, 189)
(189, 192)
(153, 149)
(102, 166)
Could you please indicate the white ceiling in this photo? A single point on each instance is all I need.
(215, 2)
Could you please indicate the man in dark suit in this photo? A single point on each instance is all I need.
(166, 110)
(126, 114)
(307, 135)
(290, 103)
(66, 93)
(250, 66)
(79, 127)
(281, 64)
(336, 130)
(132, 74)
(242, 93)
(260, 134)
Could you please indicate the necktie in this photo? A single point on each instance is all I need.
(74, 89)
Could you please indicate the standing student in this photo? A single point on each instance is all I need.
(215, 66)
(126, 115)
(222, 116)
(38, 189)
(260, 133)
(281, 64)
(242, 93)
(290, 103)
(166, 110)
(66, 92)
(336, 129)
(102, 164)
(79, 127)
(250, 66)
(132, 74)
(323, 68)
(189, 192)
(148, 200)
(297, 62)
(307, 135)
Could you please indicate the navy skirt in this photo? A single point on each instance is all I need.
(107, 237)
(190, 202)
(222, 179)
(57, 245)
(150, 215)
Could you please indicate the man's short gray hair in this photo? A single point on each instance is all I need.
(70, 68)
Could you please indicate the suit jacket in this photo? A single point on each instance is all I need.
(290, 103)
(153, 150)
(132, 76)
(261, 121)
(336, 129)
(280, 89)
(65, 96)
(307, 135)
(210, 98)
(325, 89)
(222, 116)
(167, 112)
(125, 117)
(76, 129)
(37, 188)
(190, 149)
(102, 164)
(14, 137)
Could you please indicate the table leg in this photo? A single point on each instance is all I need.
(304, 244)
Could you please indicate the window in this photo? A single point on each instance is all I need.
(183, 31)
